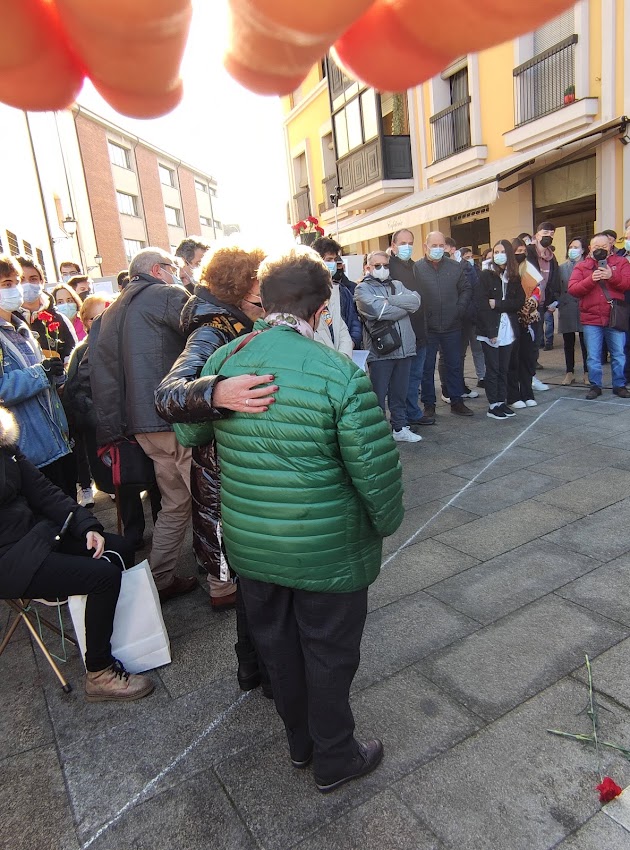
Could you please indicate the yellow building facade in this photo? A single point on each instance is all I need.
(533, 129)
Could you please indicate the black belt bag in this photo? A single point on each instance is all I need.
(385, 337)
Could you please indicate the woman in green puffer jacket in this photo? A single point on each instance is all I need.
(308, 491)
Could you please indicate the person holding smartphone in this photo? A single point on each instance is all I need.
(598, 280)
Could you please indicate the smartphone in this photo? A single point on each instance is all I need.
(602, 264)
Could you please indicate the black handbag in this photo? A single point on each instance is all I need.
(619, 319)
(384, 334)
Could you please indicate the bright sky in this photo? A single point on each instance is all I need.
(222, 129)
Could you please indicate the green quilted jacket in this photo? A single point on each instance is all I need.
(309, 488)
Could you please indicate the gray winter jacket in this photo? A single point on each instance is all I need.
(446, 294)
(375, 302)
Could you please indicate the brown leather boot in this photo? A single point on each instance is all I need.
(114, 683)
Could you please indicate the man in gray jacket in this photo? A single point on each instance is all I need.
(446, 294)
(380, 300)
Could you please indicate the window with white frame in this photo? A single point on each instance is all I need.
(173, 216)
(205, 221)
(201, 187)
(127, 204)
(132, 246)
(118, 155)
(167, 175)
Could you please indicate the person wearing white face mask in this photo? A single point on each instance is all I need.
(68, 303)
(28, 384)
(569, 311)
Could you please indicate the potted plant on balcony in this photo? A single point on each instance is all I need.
(307, 231)
(569, 95)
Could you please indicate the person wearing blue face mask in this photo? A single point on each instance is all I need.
(446, 294)
(342, 318)
(569, 311)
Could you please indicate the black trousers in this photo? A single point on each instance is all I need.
(132, 510)
(522, 366)
(497, 365)
(310, 644)
(569, 351)
(71, 571)
(63, 474)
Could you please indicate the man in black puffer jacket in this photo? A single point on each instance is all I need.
(446, 295)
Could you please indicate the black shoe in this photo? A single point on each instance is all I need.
(369, 757)
(426, 420)
(460, 409)
(548, 348)
(481, 383)
(496, 413)
(300, 764)
(507, 410)
(593, 392)
(248, 674)
(622, 392)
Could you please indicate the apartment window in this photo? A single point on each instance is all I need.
(127, 204)
(213, 191)
(218, 225)
(132, 246)
(1, 247)
(167, 175)
(172, 216)
(205, 221)
(356, 122)
(201, 187)
(119, 155)
(451, 126)
(28, 248)
(14, 246)
(40, 260)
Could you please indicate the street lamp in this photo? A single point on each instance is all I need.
(98, 259)
(69, 225)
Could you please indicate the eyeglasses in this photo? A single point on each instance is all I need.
(381, 265)
(172, 269)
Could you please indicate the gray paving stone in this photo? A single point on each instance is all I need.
(383, 823)
(434, 458)
(611, 674)
(24, 722)
(506, 529)
(34, 804)
(507, 662)
(605, 590)
(430, 487)
(579, 463)
(428, 520)
(415, 568)
(196, 815)
(604, 535)
(516, 458)
(590, 493)
(93, 765)
(485, 498)
(426, 624)
(190, 612)
(490, 590)
(600, 833)
(513, 785)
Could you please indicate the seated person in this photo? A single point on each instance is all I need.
(309, 488)
(32, 513)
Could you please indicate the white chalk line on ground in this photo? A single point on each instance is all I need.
(153, 782)
(497, 457)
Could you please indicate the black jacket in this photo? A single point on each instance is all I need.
(62, 340)
(152, 341)
(185, 397)
(446, 294)
(404, 271)
(491, 286)
(554, 283)
(32, 511)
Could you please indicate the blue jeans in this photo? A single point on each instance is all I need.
(549, 327)
(450, 344)
(390, 381)
(415, 379)
(594, 337)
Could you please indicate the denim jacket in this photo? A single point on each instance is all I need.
(27, 393)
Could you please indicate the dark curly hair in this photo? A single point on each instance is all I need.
(230, 273)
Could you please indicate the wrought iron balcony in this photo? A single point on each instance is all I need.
(386, 158)
(451, 130)
(545, 83)
(303, 203)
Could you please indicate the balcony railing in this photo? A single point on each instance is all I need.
(545, 83)
(387, 158)
(451, 130)
(303, 203)
(329, 185)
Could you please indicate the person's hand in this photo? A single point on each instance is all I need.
(95, 541)
(245, 393)
(551, 309)
(605, 273)
(132, 51)
(492, 302)
(53, 367)
(597, 274)
(494, 340)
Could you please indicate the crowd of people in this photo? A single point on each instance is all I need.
(236, 384)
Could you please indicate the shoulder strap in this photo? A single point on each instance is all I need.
(247, 338)
(121, 371)
(606, 293)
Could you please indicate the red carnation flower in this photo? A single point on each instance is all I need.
(301, 225)
(45, 316)
(53, 326)
(320, 230)
(608, 790)
(312, 220)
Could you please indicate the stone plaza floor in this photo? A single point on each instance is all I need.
(512, 563)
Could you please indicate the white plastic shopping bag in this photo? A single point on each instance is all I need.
(140, 639)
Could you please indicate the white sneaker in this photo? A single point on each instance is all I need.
(445, 399)
(406, 435)
(86, 497)
(538, 386)
(530, 402)
(519, 405)
(468, 393)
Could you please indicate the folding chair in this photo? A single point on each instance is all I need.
(22, 607)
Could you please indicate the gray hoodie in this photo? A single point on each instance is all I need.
(375, 302)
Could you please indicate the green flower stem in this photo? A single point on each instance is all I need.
(592, 713)
(589, 739)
